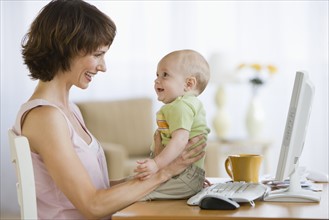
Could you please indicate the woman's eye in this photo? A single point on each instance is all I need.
(99, 54)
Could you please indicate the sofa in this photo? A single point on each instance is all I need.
(125, 130)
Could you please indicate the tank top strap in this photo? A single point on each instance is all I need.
(28, 106)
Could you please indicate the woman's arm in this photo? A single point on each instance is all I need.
(48, 134)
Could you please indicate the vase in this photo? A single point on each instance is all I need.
(221, 121)
(221, 124)
(255, 118)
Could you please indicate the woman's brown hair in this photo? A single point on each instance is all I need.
(62, 30)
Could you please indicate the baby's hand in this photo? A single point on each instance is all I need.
(145, 169)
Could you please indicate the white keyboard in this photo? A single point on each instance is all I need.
(236, 191)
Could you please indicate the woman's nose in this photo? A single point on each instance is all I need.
(101, 66)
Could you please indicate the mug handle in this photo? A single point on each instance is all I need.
(227, 168)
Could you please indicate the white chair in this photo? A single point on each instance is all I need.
(21, 157)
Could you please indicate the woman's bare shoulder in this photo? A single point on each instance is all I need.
(44, 124)
(43, 115)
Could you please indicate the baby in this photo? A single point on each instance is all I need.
(181, 76)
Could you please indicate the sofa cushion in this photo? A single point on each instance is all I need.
(125, 122)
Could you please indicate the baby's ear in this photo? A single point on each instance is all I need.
(191, 83)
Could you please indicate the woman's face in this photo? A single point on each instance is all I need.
(84, 68)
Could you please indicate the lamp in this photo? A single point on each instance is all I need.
(220, 77)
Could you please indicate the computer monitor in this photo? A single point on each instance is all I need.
(293, 143)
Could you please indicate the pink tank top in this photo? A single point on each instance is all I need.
(51, 202)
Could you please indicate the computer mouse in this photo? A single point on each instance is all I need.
(217, 202)
(317, 176)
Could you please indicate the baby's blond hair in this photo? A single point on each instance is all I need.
(193, 64)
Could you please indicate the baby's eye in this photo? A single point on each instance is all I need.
(165, 74)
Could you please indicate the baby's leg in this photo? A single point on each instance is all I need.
(185, 185)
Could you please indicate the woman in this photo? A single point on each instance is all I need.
(65, 47)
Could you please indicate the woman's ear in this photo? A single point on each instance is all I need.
(190, 83)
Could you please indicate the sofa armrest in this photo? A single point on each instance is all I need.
(116, 156)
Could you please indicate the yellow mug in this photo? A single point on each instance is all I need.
(244, 167)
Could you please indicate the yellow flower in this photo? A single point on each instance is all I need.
(259, 73)
(242, 65)
(256, 66)
(272, 69)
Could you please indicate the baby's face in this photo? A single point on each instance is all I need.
(171, 80)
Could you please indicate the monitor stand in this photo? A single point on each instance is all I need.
(294, 193)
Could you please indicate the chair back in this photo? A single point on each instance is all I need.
(25, 186)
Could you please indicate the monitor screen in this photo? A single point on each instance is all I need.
(293, 143)
(296, 126)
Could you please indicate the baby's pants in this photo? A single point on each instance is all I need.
(182, 186)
